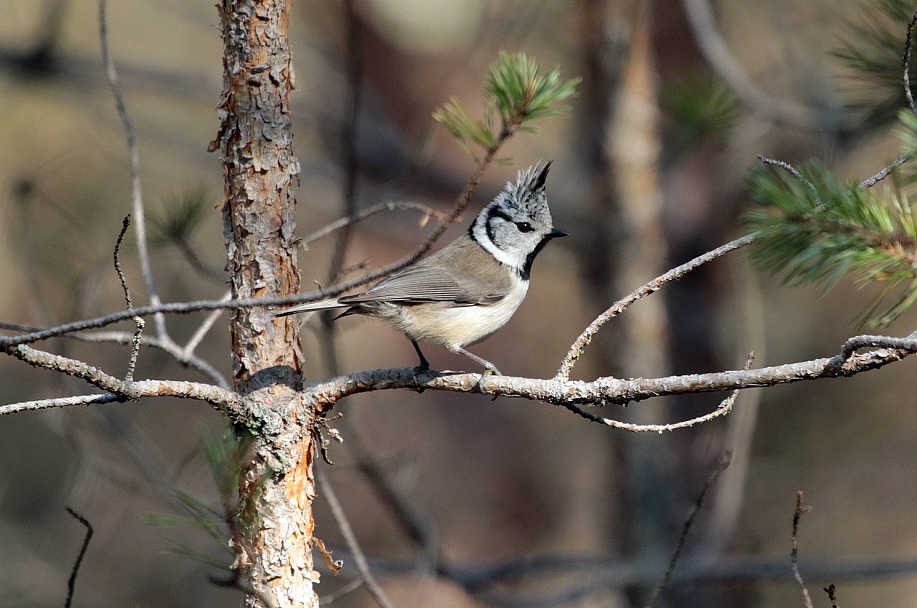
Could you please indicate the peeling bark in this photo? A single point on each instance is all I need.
(272, 531)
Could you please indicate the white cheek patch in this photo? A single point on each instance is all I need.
(480, 235)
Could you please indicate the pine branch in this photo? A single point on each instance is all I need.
(517, 95)
(817, 229)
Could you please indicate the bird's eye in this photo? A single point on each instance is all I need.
(524, 226)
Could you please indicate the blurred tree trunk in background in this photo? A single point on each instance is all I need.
(628, 247)
(623, 145)
(273, 523)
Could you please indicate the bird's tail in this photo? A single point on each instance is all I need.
(310, 306)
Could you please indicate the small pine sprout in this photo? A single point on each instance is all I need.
(516, 95)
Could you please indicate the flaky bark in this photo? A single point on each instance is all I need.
(273, 526)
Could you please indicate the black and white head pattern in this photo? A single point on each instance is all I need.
(517, 223)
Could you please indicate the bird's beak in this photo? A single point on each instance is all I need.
(556, 233)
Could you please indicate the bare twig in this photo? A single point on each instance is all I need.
(327, 600)
(349, 136)
(138, 321)
(71, 582)
(579, 346)
(426, 210)
(194, 260)
(182, 356)
(722, 409)
(203, 328)
(906, 63)
(869, 182)
(795, 173)
(801, 508)
(138, 210)
(418, 529)
(43, 404)
(226, 401)
(351, 539)
(599, 574)
(725, 459)
(507, 132)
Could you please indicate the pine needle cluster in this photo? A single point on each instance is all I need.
(516, 95)
(817, 229)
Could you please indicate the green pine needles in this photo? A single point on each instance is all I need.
(516, 95)
(816, 229)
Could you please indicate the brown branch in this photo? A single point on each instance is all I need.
(801, 508)
(725, 459)
(71, 582)
(375, 590)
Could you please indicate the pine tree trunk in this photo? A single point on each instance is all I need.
(272, 531)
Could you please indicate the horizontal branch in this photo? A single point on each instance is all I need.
(615, 390)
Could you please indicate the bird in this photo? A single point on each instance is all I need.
(470, 288)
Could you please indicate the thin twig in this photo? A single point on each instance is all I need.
(869, 182)
(138, 321)
(418, 528)
(43, 404)
(138, 209)
(801, 508)
(71, 582)
(906, 63)
(506, 133)
(724, 408)
(349, 136)
(579, 345)
(327, 600)
(182, 356)
(795, 173)
(426, 210)
(351, 539)
(725, 459)
(203, 328)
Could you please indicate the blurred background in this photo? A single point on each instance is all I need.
(676, 101)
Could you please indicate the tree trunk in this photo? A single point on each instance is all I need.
(272, 530)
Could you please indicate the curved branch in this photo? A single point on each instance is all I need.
(579, 346)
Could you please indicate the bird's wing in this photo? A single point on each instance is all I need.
(424, 283)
